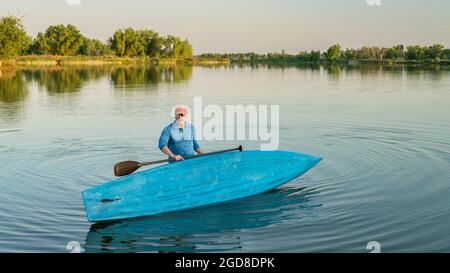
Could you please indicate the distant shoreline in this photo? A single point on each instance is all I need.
(350, 62)
(50, 60)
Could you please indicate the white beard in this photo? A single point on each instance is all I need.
(181, 122)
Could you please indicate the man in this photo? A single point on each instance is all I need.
(177, 139)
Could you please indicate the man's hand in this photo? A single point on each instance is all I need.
(177, 157)
(170, 154)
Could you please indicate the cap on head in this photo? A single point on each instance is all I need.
(181, 109)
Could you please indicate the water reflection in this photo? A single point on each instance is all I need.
(212, 228)
(55, 80)
(336, 70)
(333, 70)
(13, 86)
(137, 76)
(395, 70)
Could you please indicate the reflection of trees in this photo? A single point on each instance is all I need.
(64, 79)
(269, 65)
(58, 80)
(13, 86)
(432, 71)
(179, 73)
(337, 70)
(136, 76)
(333, 70)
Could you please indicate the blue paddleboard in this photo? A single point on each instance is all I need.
(194, 182)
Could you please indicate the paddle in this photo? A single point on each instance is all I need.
(127, 167)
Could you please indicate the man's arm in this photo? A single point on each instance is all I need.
(162, 144)
(196, 145)
(166, 150)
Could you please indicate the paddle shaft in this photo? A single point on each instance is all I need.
(192, 156)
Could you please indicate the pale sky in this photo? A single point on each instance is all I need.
(250, 25)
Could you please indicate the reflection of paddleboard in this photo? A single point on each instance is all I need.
(214, 228)
(195, 182)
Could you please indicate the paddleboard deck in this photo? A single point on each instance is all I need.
(195, 182)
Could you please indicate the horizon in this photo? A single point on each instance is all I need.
(234, 27)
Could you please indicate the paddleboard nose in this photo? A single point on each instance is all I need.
(317, 160)
(303, 162)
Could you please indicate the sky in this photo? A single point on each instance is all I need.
(250, 25)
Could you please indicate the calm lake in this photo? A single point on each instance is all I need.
(384, 134)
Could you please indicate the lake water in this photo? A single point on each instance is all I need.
(384, 134)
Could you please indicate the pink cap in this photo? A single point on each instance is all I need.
(181, 109)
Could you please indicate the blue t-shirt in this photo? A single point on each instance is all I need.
(180, 141)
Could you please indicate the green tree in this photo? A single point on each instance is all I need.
(151, 41)
(59, 40)
(39, 45)
(174, 47)
(349, 54)
(391, 54)
(369, 53)
(127, 42)
(334, 52)
(303, 56)
(415, 53)
(434, 52)
(185, 49)
(94, 47)
(400, 50)
(445, 54)
(315, 56)
(13, 38)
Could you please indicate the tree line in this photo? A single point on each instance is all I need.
(433, 53)
(66, 40)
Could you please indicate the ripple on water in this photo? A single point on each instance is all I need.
(42, 189)
(390, 186)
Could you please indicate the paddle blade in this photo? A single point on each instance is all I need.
(126, 167)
